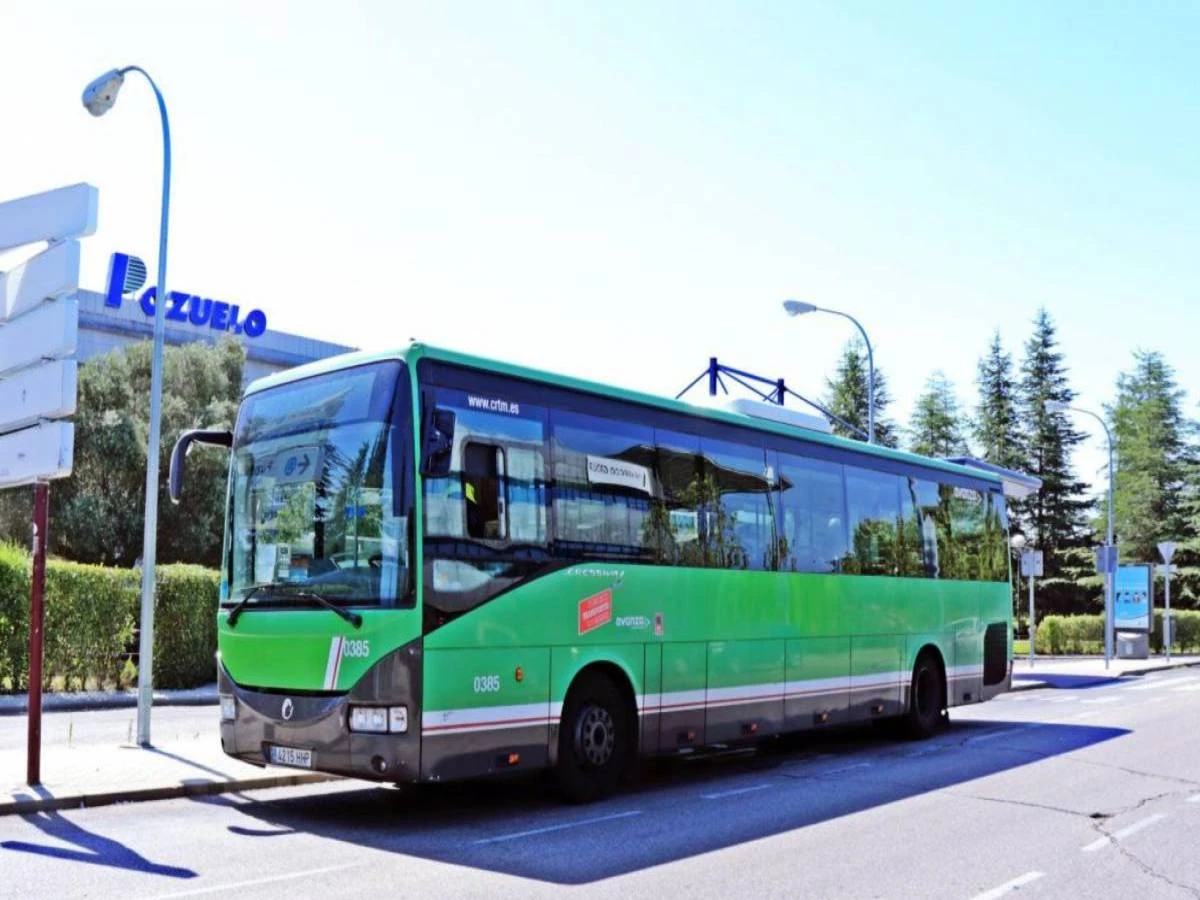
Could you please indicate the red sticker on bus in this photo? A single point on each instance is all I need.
(595, 611)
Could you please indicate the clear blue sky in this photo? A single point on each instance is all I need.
(620, 190)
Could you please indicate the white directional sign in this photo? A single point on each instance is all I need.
(49, 274)
(49, 332)
(41, 392)
(1167, 550)
(68, 212)
(39, 453)
(39, 328)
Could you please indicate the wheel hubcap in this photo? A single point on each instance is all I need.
(595, 736)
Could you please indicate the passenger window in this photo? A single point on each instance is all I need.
(920, 535)
(813, 498)
(674, 524)
(737, 513)
(603, 486)
(873, 501)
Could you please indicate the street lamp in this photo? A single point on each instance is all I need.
(98, 98)
(1058, 406)
(797, 308)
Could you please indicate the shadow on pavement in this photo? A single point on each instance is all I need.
(1072, 682)
(680, 808)
(87, 847)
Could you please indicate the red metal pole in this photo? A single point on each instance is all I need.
(37, 585)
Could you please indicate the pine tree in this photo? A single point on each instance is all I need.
(997, 425)
(1153, 454)
(846, 396)
(936, 428)
(1056, 514)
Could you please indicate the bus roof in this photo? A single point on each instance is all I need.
(417, 351)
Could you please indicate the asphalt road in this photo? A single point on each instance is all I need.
(1053, 793)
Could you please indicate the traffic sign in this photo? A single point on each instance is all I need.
(1031, 563)
(36, 394)
(1106, 560)
(1167, 550)
(37, 454)
(51, 273)
(49, 332)
(57, 215)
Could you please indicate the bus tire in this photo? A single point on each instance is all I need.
(595, 739)
(926, 714)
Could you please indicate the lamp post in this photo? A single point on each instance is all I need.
(98, 98)
(798, 308)
(1055, 406)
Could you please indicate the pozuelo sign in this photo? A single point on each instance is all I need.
(128, 273)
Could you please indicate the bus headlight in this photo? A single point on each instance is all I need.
(228, 708)
(379, 719)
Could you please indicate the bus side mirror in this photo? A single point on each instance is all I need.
(438, 443)
(196, 435)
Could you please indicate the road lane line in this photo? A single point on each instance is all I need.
(1102, 700)
(838, 771)
(733, 793)
(1195, 799)
(549, 828)
(1184, 689)
(1155, 684)
(1123, 833)
(270, 879)
(1003, 732)
(1062, 699)
(1091, 714)
(1008, 886)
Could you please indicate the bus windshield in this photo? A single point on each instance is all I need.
(319, 491)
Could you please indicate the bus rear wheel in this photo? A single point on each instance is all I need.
(926, 700)
(595, 739)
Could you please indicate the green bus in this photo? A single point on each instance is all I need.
(439, 567)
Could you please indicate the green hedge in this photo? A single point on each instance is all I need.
(91, 624)
(1081, 634)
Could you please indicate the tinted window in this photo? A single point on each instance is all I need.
(873, 504)
(603, 486)
(486, 518)
(737, 513)
(921, 533)
(673, 531)
(813, 528)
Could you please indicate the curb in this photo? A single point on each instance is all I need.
(51, 703)
(1031, 684)
(142, 795)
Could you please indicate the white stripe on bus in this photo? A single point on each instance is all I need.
(333, 663)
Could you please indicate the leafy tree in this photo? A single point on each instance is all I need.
(97, 513)
(935, 428)
(1151, 438)
(846, 396)
(1056, 514)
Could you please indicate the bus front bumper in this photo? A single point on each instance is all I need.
(271, 727)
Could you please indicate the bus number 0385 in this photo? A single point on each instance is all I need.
(487, 684)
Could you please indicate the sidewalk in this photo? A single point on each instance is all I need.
(1088, 671)
(90, 758)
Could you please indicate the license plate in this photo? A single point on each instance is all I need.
(291, 756)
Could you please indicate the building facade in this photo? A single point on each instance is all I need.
(121, 316)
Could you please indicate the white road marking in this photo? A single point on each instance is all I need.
(1063, 699)
(1086, 715)
(549, 828)
(1003, 732)
(1156, 683)
(732, 793)
(1195, 799)
(1185, 688)
(1125, 832)
(257, 881)
(1013, 885)
(1102, 700)
(838, 771)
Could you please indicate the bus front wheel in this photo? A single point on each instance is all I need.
(595, 739)
(926, 699)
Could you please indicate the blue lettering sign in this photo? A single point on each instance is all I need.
(128, 273)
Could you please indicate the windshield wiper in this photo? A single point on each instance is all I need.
(292, 593)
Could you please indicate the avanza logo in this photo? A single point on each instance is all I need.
(595, 611)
